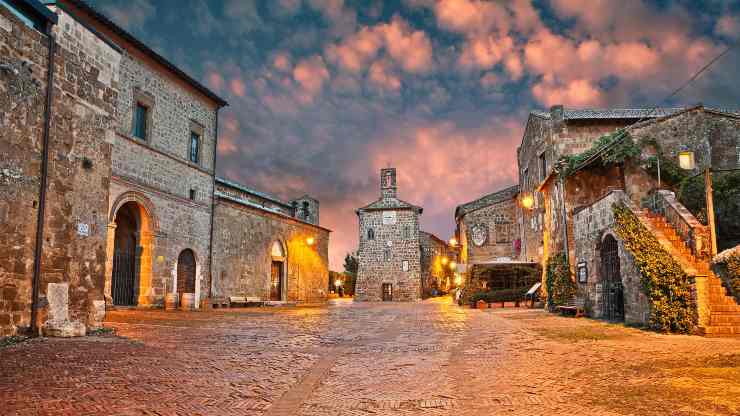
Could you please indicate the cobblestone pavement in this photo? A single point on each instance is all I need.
(430, 358)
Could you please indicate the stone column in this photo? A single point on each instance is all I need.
(109, 251)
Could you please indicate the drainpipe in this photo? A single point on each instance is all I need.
(213, 208)
(42, 187)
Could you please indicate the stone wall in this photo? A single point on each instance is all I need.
(243, 239)
(81, 132)
(393, 256)
(497, 223)
(592, 224)
(157, 174)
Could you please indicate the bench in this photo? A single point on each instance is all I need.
(575, 305)
(244, 300)
(219, 303)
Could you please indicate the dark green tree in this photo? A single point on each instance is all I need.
(351, 265)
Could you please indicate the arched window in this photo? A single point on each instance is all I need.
(370, 234)
(277, 250)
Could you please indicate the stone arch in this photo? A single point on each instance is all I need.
(147, 226)
(142, 200)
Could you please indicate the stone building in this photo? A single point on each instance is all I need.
(438, 264)
(161, 185)
(59, 88)
(607, 275)
(487, 230)
(266, 248)
(548, 136)
(389, 253)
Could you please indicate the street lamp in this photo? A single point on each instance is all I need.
(686, 161)
(526, 200)
(445, 260)
(453, 242)
(337, 283)
(310, 241)
(453, 265)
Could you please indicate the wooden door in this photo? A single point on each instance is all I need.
(186, 272)
(387, 289)
(276, 281)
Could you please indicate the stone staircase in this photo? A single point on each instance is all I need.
(719, 313)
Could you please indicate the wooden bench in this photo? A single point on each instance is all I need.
(219, 302)
(575, 305)
(244, 300)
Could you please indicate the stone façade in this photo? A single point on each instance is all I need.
(84, 93)
(389, 251)
(247, 224)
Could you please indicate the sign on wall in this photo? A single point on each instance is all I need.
(582, 268)
(389, 217)
(479, 234)
(83, 229)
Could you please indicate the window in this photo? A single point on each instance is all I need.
(141, 112)
(543, 167)
(370, 234)
(407, 232)
(526, 179)
(194, 147)
(405, 265)
(192, 194)
(305, 210)
(387, 254)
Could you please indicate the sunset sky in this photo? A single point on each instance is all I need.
(323, 93)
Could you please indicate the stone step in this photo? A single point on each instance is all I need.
(715, 308)
(724, 319)
(714, 331)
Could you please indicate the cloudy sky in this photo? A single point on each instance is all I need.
(323, 93)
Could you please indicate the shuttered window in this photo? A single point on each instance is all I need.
(140, 120)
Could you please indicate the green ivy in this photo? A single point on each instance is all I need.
(620, 147)
(560, 287)
(726, 187)
(663, 280)
(501, 295)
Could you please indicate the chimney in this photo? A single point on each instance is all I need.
(388, 183)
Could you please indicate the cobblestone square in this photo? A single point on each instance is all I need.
(424, 358)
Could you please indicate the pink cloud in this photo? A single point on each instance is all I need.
(470, 16)
(577, 93)
(282, 62)
(354, 53)
(215, 80)
(311, 73)
(412, 49)
(237, 87)
(485, 51)
(380, 75)
(728, 26)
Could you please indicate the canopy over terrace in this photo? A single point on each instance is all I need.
(500, 274)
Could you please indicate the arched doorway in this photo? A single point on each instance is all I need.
(277, 271)
(186, 271)
(611, 281)
(126, 254)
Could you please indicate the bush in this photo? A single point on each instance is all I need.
(729, 271)
(502, 295)
(560, 287)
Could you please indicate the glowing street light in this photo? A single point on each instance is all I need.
(445, 260)
(453, 242)
(310, 241)
(527, 200)
(686, 159)
(453, 265)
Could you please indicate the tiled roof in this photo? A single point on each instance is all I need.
(484, 201)
(390, 203)
(252, 191)
(609, 113)
(103, 19)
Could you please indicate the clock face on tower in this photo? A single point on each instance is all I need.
(479, 234)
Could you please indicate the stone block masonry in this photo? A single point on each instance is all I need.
(389, 254)
(266, 252)
(84, 94)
